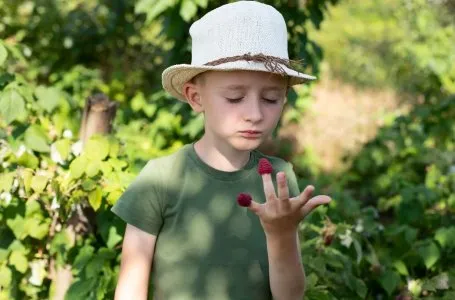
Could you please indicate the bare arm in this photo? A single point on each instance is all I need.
(287, 277)
(136, 263)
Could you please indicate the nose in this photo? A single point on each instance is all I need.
(253, 111)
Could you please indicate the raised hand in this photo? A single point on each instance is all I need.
(281, 214)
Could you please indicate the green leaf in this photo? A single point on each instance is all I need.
(78, 166)
(153, 8)
(114, 148)
(80, 289)
(97, 148)
(114, 238)
(27, 175)
(48, 97)
(93, 168)
(95, 197)
(360, 288)
(401, 267)
(446, 237)
(5, 276)
(36, 139)
(33, 208)
(188, 10)
(311, 281)
(202, 3)
(113, 197)
(89, 185)
(84, 255)
(39, 183)
(6, 181)
(36, 228)
(12, 105)
(389, 280)
(63, 148)
(28, 160)
(3, 54)
(19, 261)
(17, 225)
(430, 254)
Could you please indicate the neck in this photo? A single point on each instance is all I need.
(221, 156)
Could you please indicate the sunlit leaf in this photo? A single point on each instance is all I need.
(36, 139)
(430, 254)
(39, 183)
(3, 54)
(12, 105)
(19, 261)
(95, 197)
(48, 97)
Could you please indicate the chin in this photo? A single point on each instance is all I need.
(246, 144)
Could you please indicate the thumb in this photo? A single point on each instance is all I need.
(245, 200)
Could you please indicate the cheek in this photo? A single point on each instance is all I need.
(273, 112)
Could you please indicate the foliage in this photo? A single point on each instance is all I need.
(53, 55)
(390, 231)
(388, 234)
(405, 44)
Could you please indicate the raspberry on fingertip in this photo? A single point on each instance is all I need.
(264, 167)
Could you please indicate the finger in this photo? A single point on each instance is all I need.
(305, 196)
(245, 200)
(269, 189)
(313, 203)
(283, 190)
(256, 207)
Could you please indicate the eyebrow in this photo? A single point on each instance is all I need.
(244, 87)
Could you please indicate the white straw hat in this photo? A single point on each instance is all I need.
(244, 35)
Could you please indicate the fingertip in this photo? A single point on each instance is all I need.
(281, 175)
(310, 188)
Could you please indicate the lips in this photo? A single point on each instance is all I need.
(251, 131)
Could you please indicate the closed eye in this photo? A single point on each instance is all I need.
(270, 101)
(237, 100)
(234, 100)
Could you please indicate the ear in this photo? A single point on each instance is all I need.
(192, 94)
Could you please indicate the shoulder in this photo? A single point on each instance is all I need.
(166, 164)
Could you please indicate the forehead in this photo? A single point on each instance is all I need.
(237, 80)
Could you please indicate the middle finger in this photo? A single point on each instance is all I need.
(269, 189)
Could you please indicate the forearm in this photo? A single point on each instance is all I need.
(287, 277)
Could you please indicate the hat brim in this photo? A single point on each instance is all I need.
(174, 77)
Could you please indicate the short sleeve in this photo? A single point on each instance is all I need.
(293, 184)
(141, 205)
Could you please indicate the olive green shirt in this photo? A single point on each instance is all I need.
(207, 247)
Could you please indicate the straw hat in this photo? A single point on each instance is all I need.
(244, 35)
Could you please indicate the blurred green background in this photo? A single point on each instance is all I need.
(386, 80)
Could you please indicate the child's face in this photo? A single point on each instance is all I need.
(238, 101)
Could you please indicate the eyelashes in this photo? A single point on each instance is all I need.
(238, 100)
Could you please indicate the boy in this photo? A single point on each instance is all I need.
(181, 210)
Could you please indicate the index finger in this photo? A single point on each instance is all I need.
(265, 169)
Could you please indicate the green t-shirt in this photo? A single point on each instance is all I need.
(208, 247)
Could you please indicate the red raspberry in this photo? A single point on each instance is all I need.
(244, 199)
(265, 167)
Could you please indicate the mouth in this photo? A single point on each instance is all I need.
(251, 131)
(251, 134)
